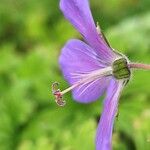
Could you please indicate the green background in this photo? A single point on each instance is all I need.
(32, 33)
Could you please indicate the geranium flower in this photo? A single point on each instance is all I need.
(92, 68)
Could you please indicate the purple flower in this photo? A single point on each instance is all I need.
(92, 68)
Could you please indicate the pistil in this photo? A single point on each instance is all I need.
(87, 78)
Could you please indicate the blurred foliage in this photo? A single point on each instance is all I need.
(32, 33)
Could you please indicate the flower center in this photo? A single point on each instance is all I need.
(121, 69)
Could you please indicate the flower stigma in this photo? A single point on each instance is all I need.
(57, 93)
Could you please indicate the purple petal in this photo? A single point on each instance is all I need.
(79, 14)
(91, 91)
(78, 59)
(105, 127)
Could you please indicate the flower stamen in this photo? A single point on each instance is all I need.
(88, 79)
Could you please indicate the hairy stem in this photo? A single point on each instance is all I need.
(139, 66)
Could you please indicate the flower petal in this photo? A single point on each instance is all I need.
(91, 91)
(79, 14)
(76, 60)
(105, 127)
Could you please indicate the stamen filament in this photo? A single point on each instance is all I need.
(90, 77)
(69, 89)
(87, 78)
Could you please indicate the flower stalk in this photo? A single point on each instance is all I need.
(139, 66)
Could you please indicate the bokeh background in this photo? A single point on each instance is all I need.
(32, 33)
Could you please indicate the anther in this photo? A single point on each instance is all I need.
(58, 95)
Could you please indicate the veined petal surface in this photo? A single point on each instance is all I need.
(77, 59)
(91, 91)
(79, 14)
(105, 127)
